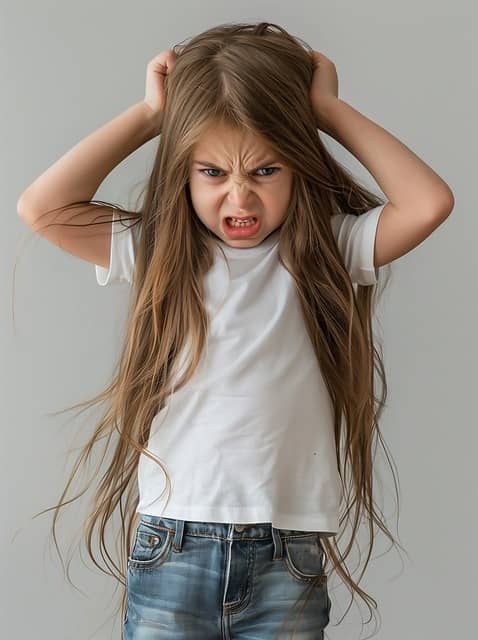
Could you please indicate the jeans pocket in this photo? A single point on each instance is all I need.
(304, 556)
(151, 546)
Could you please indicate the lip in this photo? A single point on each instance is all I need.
(241, 232)
(241, 217)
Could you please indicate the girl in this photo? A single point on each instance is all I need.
(243, 402)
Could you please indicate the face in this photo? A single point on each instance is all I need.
(233, 173)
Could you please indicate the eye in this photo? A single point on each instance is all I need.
(207, 174)
(273, 169)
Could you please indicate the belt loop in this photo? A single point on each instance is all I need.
(178, 536)
(277, 544)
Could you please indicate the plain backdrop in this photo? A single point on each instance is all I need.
(69, 67)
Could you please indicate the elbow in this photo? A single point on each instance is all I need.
(445, 204)
(24, 206)
(21, 205)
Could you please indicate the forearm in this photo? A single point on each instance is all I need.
(402, 176)
(78, 174)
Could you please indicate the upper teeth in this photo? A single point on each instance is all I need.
(242, 219)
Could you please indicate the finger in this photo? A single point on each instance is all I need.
(164, 62)
(316, 58)
(161, 60)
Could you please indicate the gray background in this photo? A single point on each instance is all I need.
(66, 69)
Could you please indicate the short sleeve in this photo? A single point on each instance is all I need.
(355, 237)
(124, 242)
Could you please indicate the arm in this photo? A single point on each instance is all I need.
(407, 182)
(78, 174)
(419, 200)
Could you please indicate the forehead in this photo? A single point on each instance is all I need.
(224, 141)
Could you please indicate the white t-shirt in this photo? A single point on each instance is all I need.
(250, 437)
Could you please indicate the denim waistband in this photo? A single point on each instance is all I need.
(256, 530)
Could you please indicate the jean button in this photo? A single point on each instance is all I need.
(239, 528)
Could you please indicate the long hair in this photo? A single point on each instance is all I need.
(255, 77)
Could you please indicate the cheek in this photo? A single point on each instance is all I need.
(203, 202)
(280, 196)
(200, 193)
(285, 194)
(197, 196)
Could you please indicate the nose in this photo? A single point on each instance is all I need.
(239, 195)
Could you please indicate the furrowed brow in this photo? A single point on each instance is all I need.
(211, 165)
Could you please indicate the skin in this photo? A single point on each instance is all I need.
(232, 187)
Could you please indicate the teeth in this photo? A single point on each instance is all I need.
(239, 223)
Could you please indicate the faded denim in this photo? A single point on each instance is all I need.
(219, 581)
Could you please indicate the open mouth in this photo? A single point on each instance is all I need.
(238, 222)
(236, 228)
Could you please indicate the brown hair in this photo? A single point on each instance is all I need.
(255, 77)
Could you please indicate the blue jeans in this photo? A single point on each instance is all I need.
(218, 581)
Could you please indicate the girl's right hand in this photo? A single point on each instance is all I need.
(158, 68)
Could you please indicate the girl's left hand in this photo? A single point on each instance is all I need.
(325, 83)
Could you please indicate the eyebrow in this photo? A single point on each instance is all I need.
(215, 166)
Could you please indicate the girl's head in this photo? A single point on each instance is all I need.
(238, 98)
(234, 172)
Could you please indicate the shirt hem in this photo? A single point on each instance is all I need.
(321, 522)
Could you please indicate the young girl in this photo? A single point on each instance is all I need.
(244, 401)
